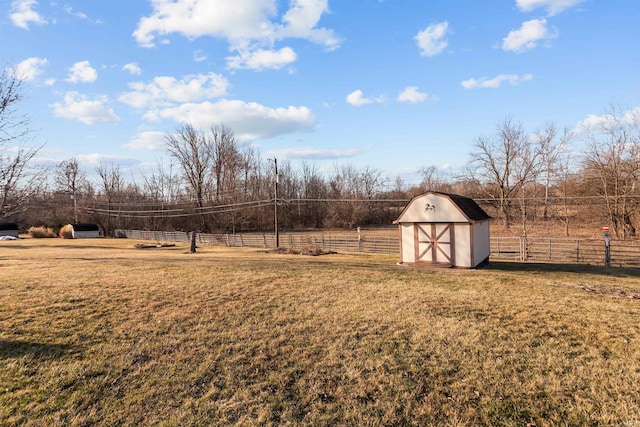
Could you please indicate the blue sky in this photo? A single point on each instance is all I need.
(394, 85)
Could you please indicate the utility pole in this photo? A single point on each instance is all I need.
(275, 201)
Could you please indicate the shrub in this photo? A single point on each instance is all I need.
(41, 232)
(66, 232)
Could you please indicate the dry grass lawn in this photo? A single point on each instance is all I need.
(97, 332)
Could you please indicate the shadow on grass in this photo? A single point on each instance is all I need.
(12, 348)
(59, 246)
(564, 268)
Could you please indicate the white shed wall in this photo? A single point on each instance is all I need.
(86, 234)
(407, 243)
(463, 245)
(481, 242)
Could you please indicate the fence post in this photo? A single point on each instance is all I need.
(578, 251)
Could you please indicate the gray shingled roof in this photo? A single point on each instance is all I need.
(470, 208)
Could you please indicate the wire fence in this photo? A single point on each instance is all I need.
(622, 253)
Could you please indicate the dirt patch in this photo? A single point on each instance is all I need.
(290, 251)
(158, 245)
(618, 292)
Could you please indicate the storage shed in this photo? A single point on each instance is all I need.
(9, 229)
(444, 230)
(85, 231)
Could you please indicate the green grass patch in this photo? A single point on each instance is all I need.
(97, 332)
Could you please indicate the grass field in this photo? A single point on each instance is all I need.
(97, 332)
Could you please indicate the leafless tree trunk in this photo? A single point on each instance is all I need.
(194, 153)
(313, 189)
(613, 157)
(553, 151)
(114, 191)
(162, 186)
(69, 179)
(431, 180)
(226, 158)
(20, 181)
(504, 163)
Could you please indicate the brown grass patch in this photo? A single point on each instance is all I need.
(41, 232)
(230, 336)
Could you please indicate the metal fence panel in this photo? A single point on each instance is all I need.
(531, 249)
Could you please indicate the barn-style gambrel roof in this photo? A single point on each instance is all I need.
(464, 209)
(471, 209)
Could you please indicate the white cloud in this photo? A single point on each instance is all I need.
(249, 120)
(431, 40)
(553, 7)
(247, 25)
(149, 140)
(78, 107)
(528, 36)
(96, 159)
(242, 20)
(604, 121)
(30, 69)
(260, 59)
(22, 13)
(164, 91)
(357, 99)
(301, 20)
(71, 12)
(495, 82)
(412, 94)
(82, 72)
(133, 68)
(199, 56)
(313, 153)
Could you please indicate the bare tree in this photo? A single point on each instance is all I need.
(194, 153)
(612, 158)
(505, 164)
(431, 180)
(19, 179)
(553, 157)
(161, 184)
(227, 159)
(113, 189)
(313, 189)
(70, 179)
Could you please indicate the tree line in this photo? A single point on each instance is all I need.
(213, 183)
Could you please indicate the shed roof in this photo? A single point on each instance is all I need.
(86, 227)
(8, 226)
(469, 206)
(466, 206)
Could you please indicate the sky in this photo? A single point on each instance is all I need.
(393, 85)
